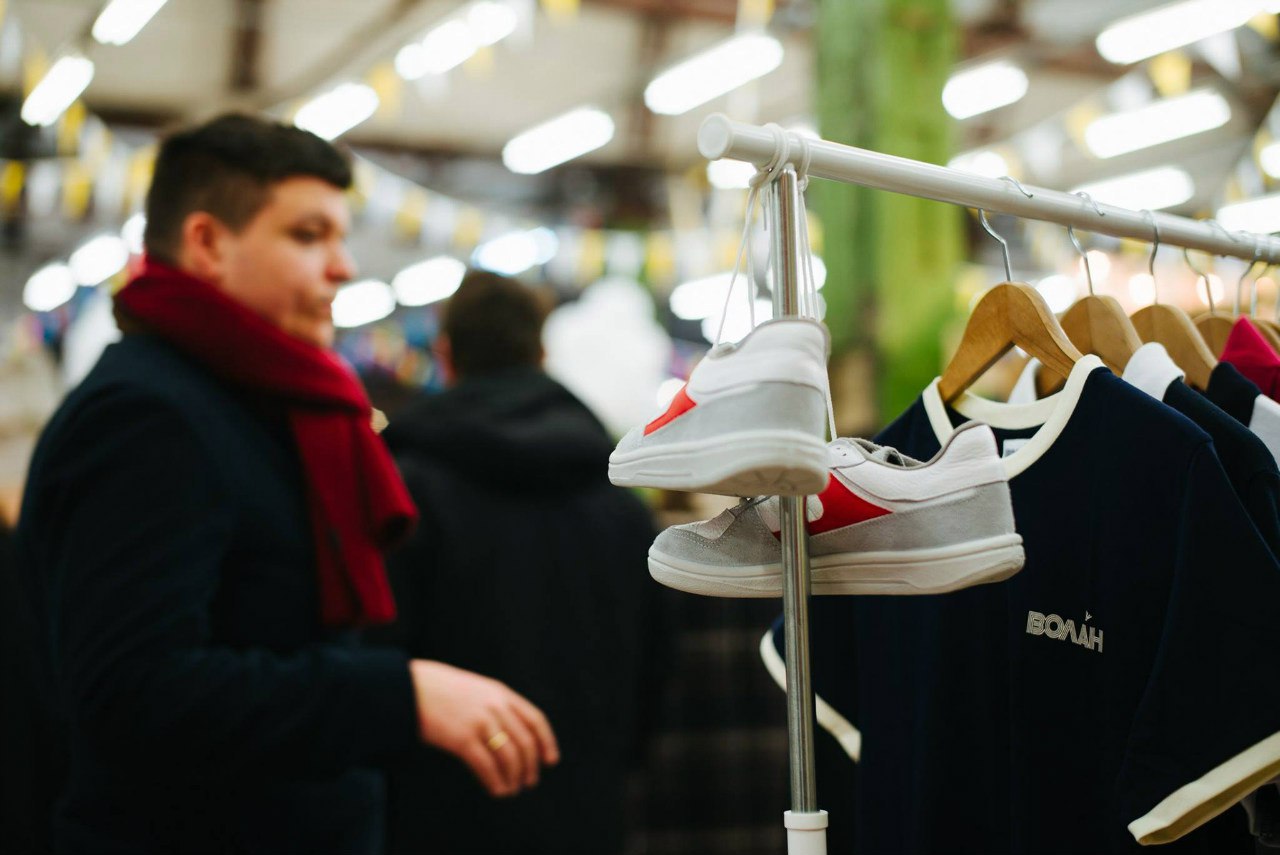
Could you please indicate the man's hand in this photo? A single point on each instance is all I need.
(500, 735)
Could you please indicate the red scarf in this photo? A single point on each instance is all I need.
(357, 502)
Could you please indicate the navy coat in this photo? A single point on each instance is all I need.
(166, 552)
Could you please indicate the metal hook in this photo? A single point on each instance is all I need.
(1208, 286)
(1257, 256)
(1155, 247)
(1071, 233)
(1004, 244)
(1015, 182)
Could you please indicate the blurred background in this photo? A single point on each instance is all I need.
(554, 140)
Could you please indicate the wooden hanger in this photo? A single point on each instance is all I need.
(1267, 329)
(1095, 324)
(1213, 325)
(1011, 313)
(1171, 327)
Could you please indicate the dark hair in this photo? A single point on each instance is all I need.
(494, 323)
(226, 167)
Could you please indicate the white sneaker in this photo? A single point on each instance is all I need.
(750, 421)
(886, 524)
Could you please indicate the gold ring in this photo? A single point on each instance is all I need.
(498, 740)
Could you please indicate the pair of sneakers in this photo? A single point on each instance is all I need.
(750, 422)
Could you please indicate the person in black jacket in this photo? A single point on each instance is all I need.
(202, 530)
(528, 565)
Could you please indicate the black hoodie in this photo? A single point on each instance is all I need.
(528, 567)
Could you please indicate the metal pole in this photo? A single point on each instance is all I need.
(722, 137)
(784, 208)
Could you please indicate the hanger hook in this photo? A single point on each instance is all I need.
(1023, 190)
(1257, 255)
(1071, 233)
(1155, 248)
(1208, 286)
(1004, 244)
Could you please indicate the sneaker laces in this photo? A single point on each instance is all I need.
(883, 453)
(809, 303)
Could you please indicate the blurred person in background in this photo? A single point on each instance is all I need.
(202, 533)
(527, 565)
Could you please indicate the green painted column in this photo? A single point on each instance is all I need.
(891, 259)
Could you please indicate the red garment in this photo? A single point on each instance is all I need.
(356, 499)
(1253, 357)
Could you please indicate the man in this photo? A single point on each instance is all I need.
(530, 566)
(202, 531)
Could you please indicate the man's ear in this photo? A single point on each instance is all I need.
(203, 250)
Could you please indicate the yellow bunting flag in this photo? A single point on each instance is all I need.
(561, 10)
(1267, 25)
(388, 86)
(1078, 119)
(1171, 73)
(467, 228)
(12, 179)
(660, 258)
(412, 209)
(481, 63)
(70, 128)
(77, 190)
(754, 12)
(35, 65)
(138, 176)
(591, 255)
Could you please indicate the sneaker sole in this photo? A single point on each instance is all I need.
(918, 571)
(761, 463)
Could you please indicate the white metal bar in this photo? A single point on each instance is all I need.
(720, 137)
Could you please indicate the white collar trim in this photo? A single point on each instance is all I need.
(1051, 413)
(1151, 370)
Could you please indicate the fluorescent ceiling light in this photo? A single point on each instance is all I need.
(1269, 157)
(730, 174)
(362, 303)
(1261, 215)
(1158, 122)
(1216, 287)
(57, 90)
(99, 259)
(49, 287)
(1153, 189)
(983, 162)
(1147, 34)
(558, 140)
(1059, 291)
(1142, 289)
(712, 73)
(337, 111)
(515, 252)
(121, 20)
(491, 22)
(738, 322)
(702, 298)
(448, 46)
(983, 89)
(133, 231)
(428, 281)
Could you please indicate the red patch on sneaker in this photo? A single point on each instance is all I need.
(842, 507)
(680, 405)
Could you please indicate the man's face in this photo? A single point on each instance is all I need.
(286, 264)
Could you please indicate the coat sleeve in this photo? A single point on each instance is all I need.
(133, 533)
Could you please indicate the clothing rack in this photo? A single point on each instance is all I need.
(787, 152)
